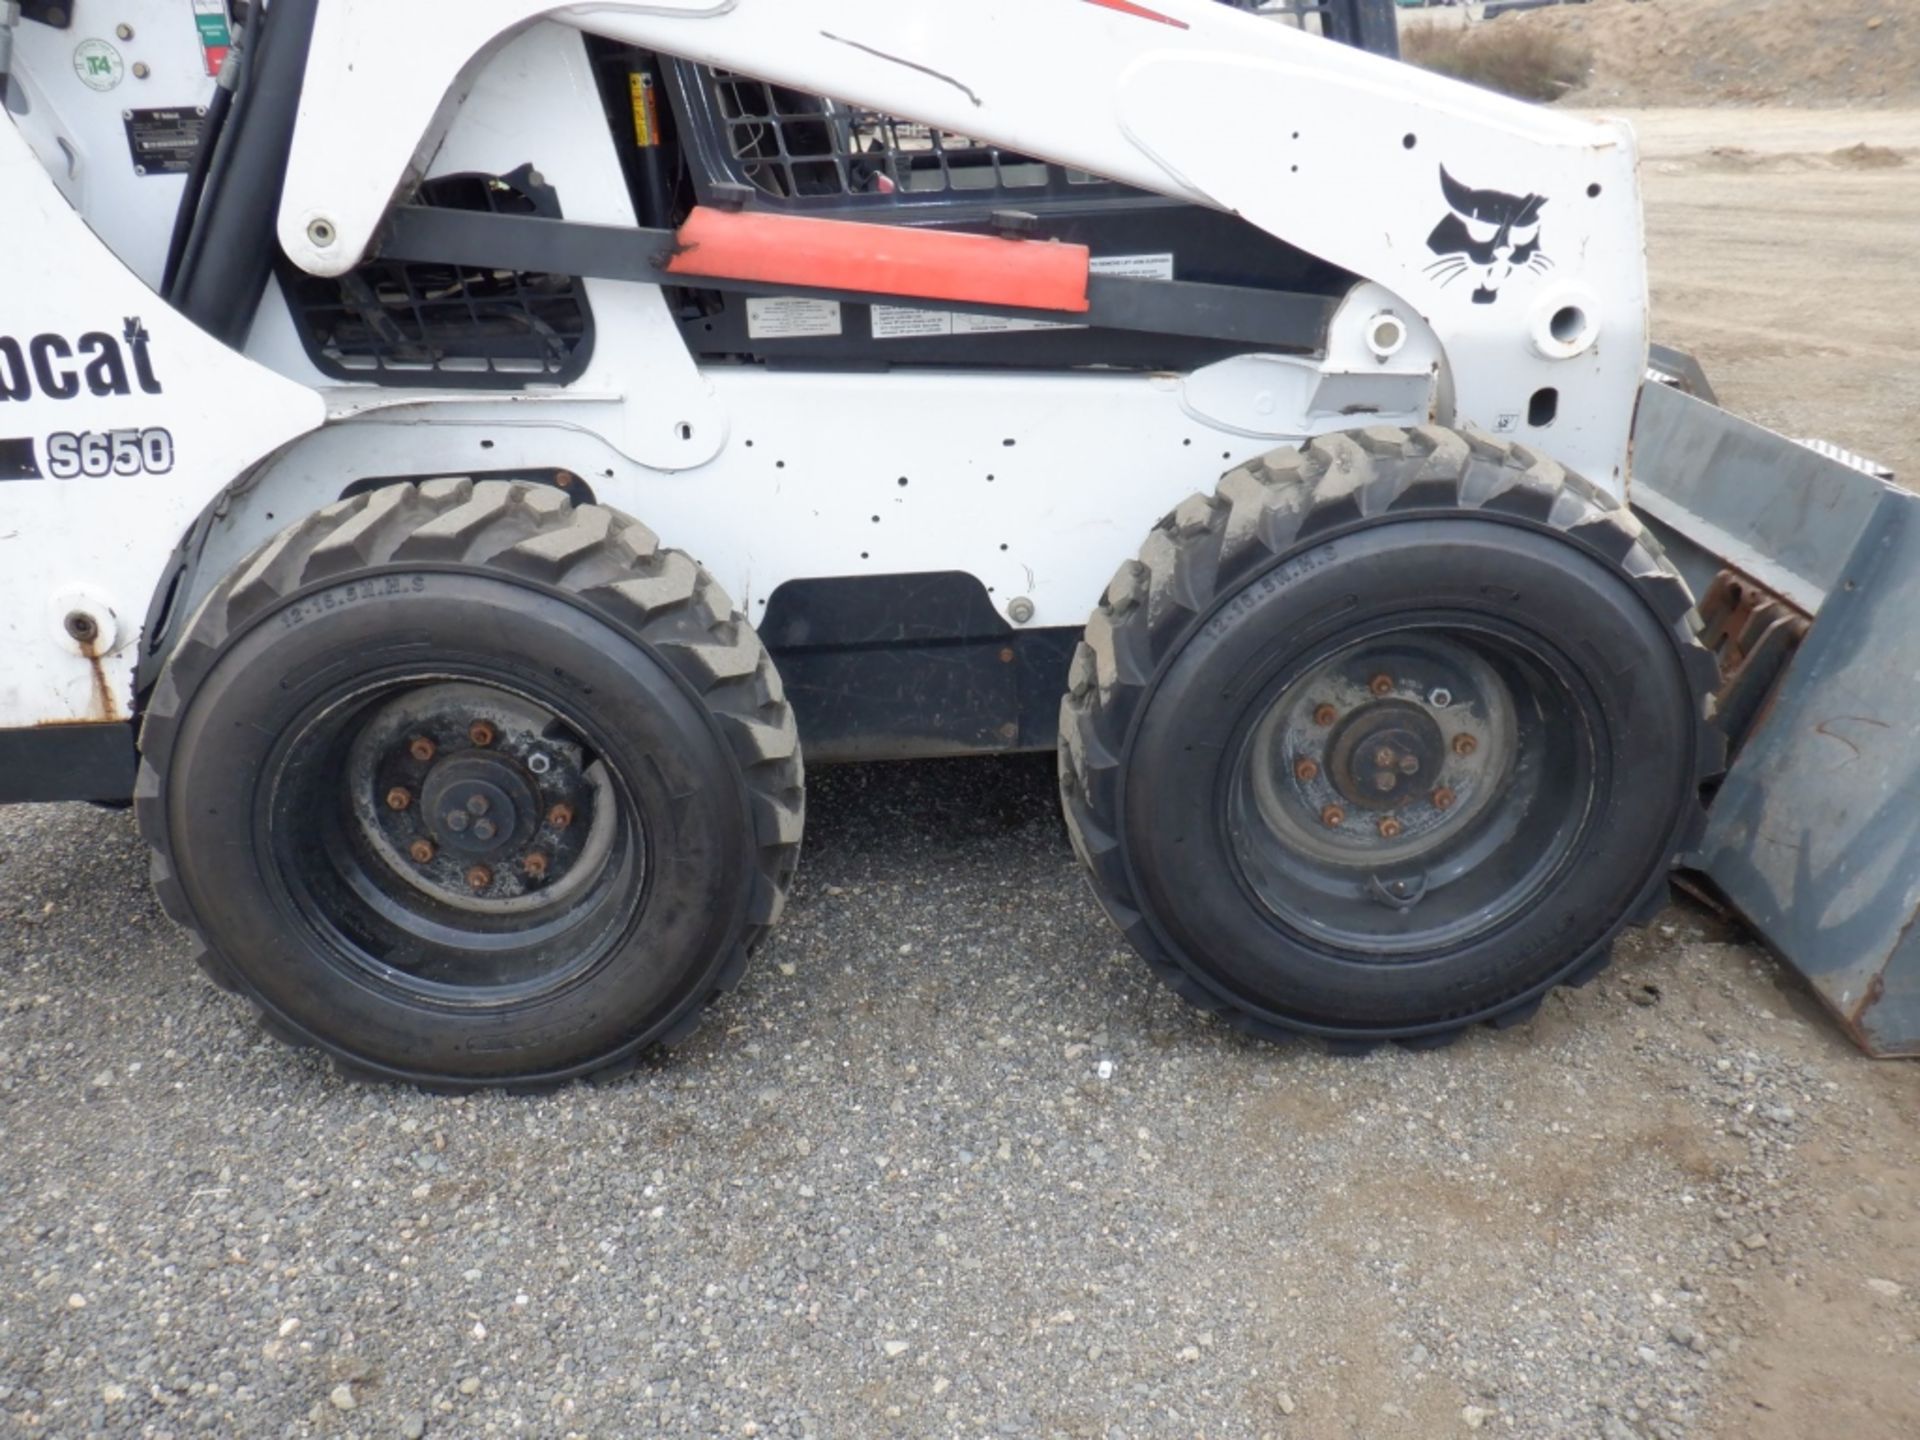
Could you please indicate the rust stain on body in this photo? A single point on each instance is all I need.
(104, 709)
(102, 690)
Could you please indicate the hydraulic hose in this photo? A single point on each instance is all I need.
(210, 131)
(230, 252)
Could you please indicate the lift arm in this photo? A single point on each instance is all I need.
(1514, 231)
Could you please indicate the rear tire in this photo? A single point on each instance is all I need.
(467, 786)
(1388, 737)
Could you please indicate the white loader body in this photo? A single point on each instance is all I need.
(1035, 483)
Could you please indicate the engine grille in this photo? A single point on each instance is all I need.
(412, 323)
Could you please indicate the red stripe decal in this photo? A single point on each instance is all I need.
(1127, 7)
(882, 260)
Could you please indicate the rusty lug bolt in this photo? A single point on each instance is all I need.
(1390, 828)
(560, 816)
(422, 852)
(399, 798)
(1383, 781)
(1305, 770)
(421, 748)
(1325, 715)
(485, 829)
(480, 733)
(479, 878)
(1465, 744)
(1381, 685)
(1443, 799)
(458, 820)
(1333, 817)
(535, 866)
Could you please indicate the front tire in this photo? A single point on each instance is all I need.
(1388, 737)
(468, 786)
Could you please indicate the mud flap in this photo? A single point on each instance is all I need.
(1814, 835)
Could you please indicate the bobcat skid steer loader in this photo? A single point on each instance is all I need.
(454, 459)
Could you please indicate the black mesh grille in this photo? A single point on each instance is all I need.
(401, 323)
(795, 145)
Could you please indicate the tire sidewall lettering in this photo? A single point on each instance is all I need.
(316, 604)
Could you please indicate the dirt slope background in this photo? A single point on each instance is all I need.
(1781, 248)
(1742, 52)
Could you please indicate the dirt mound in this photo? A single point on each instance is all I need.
(1867, 157)
(1740, 52)
(1736, 159)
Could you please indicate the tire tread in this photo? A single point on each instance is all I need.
(606, 560)
(1260, 513)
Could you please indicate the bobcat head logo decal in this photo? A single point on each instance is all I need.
(1487, 234)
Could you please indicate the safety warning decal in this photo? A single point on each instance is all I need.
(216, 33)
(901, 322)
(646, 109)
(790, 317)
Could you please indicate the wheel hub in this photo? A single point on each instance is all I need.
(481, 805)
(479, 801)
(1393, 791)
(1385, 755)
(1378, 756)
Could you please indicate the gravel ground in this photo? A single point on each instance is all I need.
(948, 1164)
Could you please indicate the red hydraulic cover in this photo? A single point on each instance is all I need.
(815, 254)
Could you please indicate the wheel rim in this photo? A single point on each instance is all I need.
(1408, 790)
(454, 838)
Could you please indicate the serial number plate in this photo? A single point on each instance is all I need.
(162, 142)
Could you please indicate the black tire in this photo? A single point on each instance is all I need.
(453, 646)
(1190, 792)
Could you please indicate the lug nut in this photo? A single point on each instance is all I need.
(1384, 757)
(1381, 685)
(1333, 817)
(485, 829)
(479, 878)
(421, 748)
(1409, 765)
(480, 733)
(478, 805)
(1390, 828)
(560, 816)
(1383, 781)
(1325, 715)
(458, 820)
(421, 851)
(1443, 799)
(1305, 770)
(1465, 744)
(535, 866)
(399, 798)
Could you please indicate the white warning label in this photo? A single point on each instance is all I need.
(1133, 267)
(900, 322)
(788, 317)
(896, 322)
